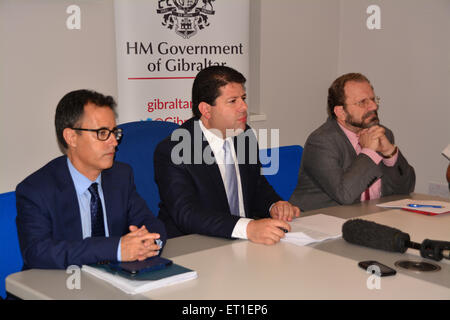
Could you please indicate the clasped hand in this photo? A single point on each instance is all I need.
(374, 138)
(139, 244)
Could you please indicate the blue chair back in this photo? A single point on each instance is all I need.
(10, 256)
(280, 167)
(138, 144)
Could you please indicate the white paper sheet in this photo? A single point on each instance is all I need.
(315, 228)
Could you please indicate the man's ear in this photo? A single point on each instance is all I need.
(205, 110)
(70, 136)
(339, 112)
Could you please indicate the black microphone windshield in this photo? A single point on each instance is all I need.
(374, 235)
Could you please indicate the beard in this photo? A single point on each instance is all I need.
(363, 124)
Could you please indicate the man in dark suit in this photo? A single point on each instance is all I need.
(351, 157)
(83, 208)
(208, 182)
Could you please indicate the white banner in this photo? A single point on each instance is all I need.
(163, 44)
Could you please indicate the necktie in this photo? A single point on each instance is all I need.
(367, 194)
(231, 186)
(97, 225)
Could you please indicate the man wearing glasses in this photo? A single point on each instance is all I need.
(351, 157)
(83, 208)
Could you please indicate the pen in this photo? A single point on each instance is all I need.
(414, 205)
(283, 229)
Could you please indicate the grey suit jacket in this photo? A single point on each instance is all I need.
(332, 174)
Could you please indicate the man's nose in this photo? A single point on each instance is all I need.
(373, 105)
(112, 140)
(244, 106)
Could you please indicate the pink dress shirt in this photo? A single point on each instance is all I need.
(375, 188)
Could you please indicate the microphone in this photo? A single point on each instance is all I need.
(377, 236)
(374, 235)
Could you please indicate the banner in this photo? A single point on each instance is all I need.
(161, 46)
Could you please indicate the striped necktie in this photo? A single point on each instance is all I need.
(231, 186)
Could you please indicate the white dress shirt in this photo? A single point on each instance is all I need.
(216, 144)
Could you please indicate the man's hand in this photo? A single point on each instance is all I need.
(375, 138)
(139, 244)
(266, 231)
(283, 210)
(370, 138)
(386, 147)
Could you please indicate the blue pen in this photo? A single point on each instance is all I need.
(414, 205)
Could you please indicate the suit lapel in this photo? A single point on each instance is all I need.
(108, 194)
(213, 170)
(69, 202)
(344, 137)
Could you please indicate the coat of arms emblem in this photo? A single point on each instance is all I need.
(186, 17)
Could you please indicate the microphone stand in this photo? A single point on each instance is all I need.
(432, 249)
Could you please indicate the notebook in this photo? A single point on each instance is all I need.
(144, 281)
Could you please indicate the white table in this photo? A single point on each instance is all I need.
(240, 269)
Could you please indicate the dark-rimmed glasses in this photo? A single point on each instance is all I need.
(104, 133)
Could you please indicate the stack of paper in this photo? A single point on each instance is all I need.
(165, 277)
(315, 228)
(419, 206)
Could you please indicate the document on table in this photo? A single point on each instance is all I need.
(403, 204)
(161, 278)
(315, 228)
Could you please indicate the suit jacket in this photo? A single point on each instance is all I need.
(332, 174)
(48, 217)
(193, 196)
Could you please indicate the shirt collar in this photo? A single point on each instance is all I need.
(353, 137)
(80, 181)
(214, 141)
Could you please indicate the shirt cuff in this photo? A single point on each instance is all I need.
(390, 162)
(119, 252)
(240, 229)
(372, 155)
(159, 243)
(271, 207)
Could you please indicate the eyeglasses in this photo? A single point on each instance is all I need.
(365, 102)
(104, 133)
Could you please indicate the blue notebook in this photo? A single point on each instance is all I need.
(153, 275)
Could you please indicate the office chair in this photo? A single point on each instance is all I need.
(138, 144)
(282, 173)
(10, 256)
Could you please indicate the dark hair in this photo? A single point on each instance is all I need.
(70, 109)
(207, 84)
(336, 93)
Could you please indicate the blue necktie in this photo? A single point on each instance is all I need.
(97, 224)
(231, 186)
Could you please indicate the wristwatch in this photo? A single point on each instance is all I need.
(391, 154)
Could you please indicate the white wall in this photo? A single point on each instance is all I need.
(298, 61)
(305, 45)
(408, 62)
(298, 48)
(40, 61)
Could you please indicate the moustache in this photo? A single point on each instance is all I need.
(369, 114)
(374, 121)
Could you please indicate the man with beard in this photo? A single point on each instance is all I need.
(351, 157)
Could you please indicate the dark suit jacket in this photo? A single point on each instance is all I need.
(193, 196)
(48, 217)
(332, 174)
